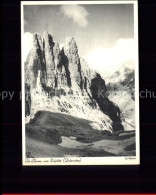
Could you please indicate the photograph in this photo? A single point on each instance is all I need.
(80, 83)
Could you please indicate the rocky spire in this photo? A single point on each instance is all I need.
(62, 70)
(49, 59)
(71, 51)
(35, 62)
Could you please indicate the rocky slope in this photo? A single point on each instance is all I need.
(51, 134)
(58, 80)
(120, 90)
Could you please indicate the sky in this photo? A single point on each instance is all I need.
(104, 33)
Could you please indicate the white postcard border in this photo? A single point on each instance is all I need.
(126, 160)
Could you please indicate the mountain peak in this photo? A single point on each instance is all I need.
(70, 46)
(63, 82)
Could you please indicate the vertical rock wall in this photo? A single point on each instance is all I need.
(53, 68)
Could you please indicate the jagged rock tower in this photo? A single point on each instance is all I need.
(58, 80)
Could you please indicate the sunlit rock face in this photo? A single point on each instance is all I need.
(121, 91)
(58, 80)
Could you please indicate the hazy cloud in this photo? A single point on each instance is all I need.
(27, 44)
(107, 60)
(75, 12)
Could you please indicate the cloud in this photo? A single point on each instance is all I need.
(27, 44)
(75, 12)
(61, 45)
(107, 60)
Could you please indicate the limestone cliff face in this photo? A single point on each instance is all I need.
(49, 59)
(34, 62)
(121, 88)
(58, 80)
(71, 51)
(99, 93)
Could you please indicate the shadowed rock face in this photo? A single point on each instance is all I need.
(98, 90)
(121, 91)
(49, 68)
(27, 100)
